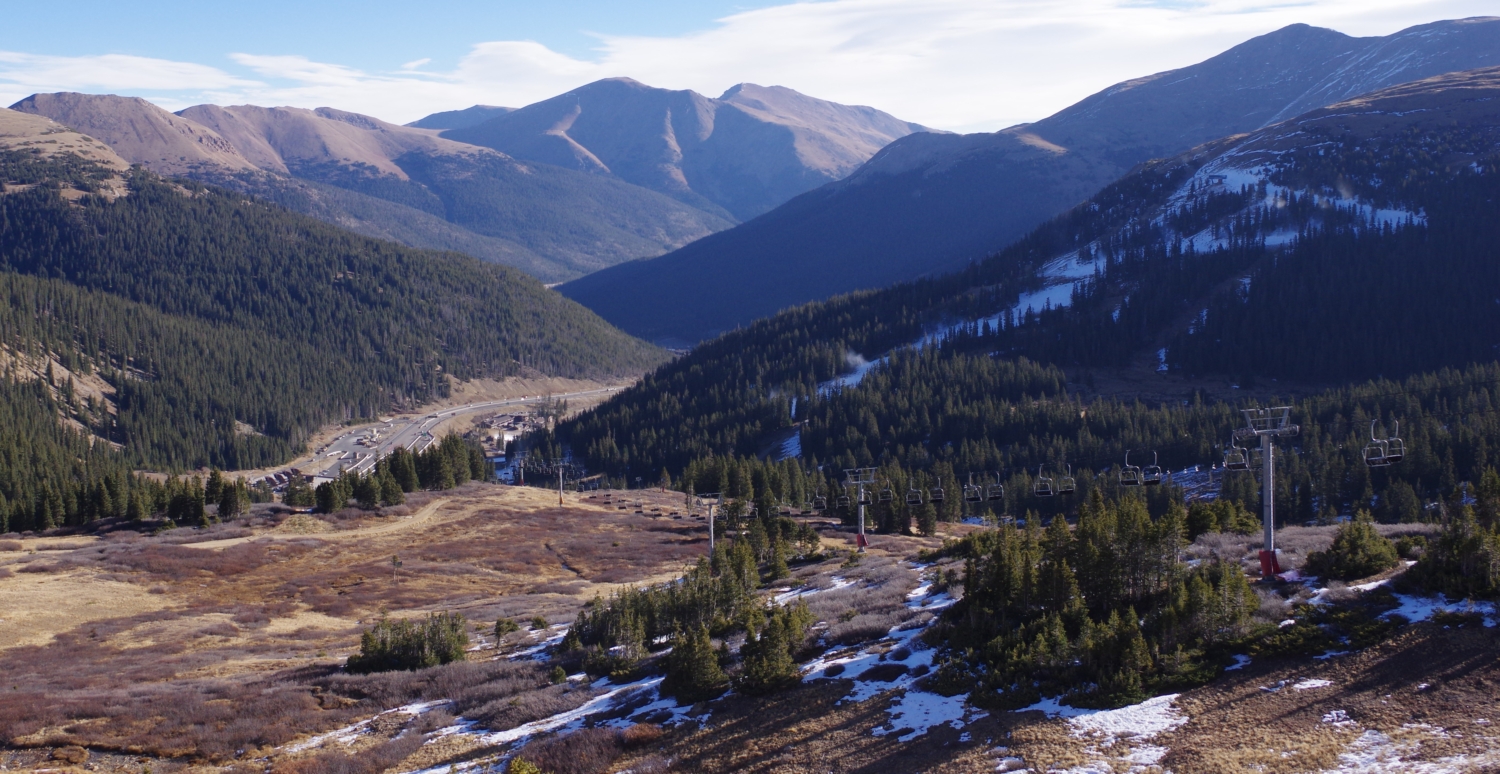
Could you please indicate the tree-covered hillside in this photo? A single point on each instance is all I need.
(230, 329)
(1329, 250)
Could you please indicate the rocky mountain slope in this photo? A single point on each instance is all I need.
(742, 154)
(459, 119)
(928, 203)
(393, 181)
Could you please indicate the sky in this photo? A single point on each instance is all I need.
(959, 65)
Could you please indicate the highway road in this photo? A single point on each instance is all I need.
(359, 449)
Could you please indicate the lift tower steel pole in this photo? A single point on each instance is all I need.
(861, 478)
(712, 500)
(1268, 423)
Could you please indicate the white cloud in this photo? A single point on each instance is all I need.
(956, 64)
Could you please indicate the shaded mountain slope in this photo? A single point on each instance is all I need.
(929, 203)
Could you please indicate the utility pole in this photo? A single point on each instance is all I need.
(558, 463)
(1268, 423)
(860, 478)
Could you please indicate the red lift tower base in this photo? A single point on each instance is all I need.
(1269, 567)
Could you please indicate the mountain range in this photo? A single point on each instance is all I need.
(1353, 242)
(740, 155)
(546, 214)
(930, 203)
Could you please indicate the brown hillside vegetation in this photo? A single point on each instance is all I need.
(221, 650)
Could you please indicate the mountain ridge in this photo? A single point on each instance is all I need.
(1301, 252)
(743, 153)
(552, 222)
(928, 203)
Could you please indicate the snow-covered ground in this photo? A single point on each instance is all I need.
(1104, 729)
(785, 595)
(913, 711)
(1377, 753)
(350, 734)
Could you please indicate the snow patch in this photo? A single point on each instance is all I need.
(918, 712)
(1414, 608)
(1308, 685)
(1142, 721)
(785, 595)
(1376, 753)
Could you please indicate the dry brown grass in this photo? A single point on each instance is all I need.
(212, 643)
(224, 649)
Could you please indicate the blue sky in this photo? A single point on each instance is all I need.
(380, 34)
(964, 65)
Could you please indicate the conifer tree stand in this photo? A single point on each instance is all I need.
(1268, 423)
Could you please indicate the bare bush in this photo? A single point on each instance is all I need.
(641, 734)
(505, 714)
(865, 611)
(368, 761)
(586, 751)
(10, 545)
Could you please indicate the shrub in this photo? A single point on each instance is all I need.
(505, 626)
(1411, 546)
(405, 644)
(1358, 551)
(586, 751)
(523, 766)
(538, 623)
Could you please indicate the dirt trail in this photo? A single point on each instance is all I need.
(420, 517)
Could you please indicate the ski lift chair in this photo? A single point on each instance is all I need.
(1066, 485)
(843, 501)
(886, 495)
(1130, 475)
(820, 503)
(994, 491)
(972, 493)
(1377, 451)
(914, 496)
(1151, 474)
(1042, 487)
(1395, 448)
(864, 497)
(936, 496)
(1235, 458)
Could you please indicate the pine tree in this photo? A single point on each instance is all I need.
(778, 568)
(693, 672)
(404, 469)
(390, 490)
(367, 492)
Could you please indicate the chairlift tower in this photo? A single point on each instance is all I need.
(1268, 423)
(712, 500)
(859, 478)
(560, 464)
